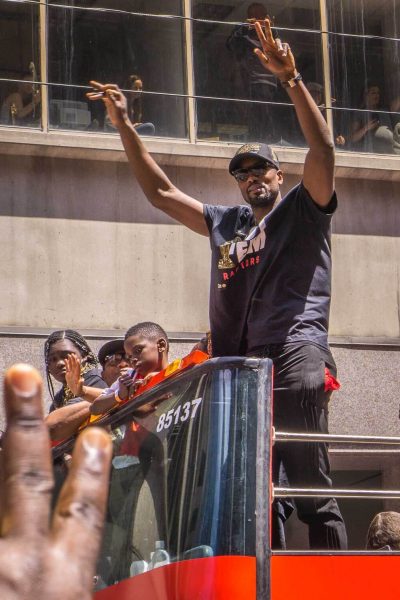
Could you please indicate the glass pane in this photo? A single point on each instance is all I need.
(19, 60)
(242, 122)
(111, 47)
(365, 72)
(185, 479)
(283, 14)
(365, 131)
(155, 7)
(365, 17)
(161, 116)
(183, 475)
(240, 73)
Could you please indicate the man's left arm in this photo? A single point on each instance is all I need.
(319, 167)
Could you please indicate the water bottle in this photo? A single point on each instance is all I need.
(137, 567)
(159, 557)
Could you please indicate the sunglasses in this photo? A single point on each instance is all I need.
(257, 171)
(115, 359)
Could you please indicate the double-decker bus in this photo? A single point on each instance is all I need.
(188, 515)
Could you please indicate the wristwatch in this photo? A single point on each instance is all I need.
(290, 83)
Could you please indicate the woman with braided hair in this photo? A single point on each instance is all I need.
(70, 361)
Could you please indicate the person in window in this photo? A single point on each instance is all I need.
(71, 362)
(23, 106)
(135, 99)
(251, 79)
(372, 131)
(317, 92)
(384, 532)
(135, 106)
(146, 347)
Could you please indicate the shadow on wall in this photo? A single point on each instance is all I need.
(56, 188)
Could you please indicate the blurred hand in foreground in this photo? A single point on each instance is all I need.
(42, 559)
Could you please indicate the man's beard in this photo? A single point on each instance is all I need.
(266, 199)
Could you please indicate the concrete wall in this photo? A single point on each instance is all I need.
(83, 248)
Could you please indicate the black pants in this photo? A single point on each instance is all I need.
(301, 405)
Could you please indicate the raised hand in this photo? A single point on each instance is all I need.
(114, 100)
(73, 375)
(39, 558)
(275, 56)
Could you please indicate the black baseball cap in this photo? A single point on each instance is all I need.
(111, 347)
(254, 150)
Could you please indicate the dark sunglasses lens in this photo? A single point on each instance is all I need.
(241, 175)
(116, 358)
(258, 171)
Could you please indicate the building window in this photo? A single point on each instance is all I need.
(19, 65)
(189, 72)
(365, 70)
(257, 108)
(142, 54)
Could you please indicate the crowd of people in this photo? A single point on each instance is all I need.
(86, 389)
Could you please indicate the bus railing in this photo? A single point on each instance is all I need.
(286, 492)
(280, 492)
(283, 436)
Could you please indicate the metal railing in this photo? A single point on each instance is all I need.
(285, 492)
(283, 436)
(279, 492)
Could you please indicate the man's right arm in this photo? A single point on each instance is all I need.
(154, 182)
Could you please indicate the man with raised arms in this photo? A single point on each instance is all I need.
(270, 278)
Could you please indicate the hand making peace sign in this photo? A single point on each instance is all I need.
(275, 56)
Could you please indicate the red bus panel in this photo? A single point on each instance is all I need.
(217, 578)
(334, 577)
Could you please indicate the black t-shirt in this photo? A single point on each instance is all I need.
(91, 378)
(270, 283)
